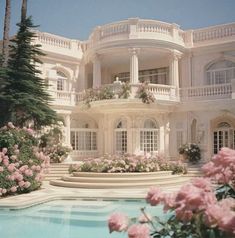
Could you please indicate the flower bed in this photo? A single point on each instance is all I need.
(21, 162)
(128, 164)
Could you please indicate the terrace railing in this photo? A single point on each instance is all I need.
(160, 92)
(209, 92)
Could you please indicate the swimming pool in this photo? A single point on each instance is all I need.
(68, 219)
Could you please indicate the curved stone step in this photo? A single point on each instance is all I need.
(154, 178)
(123, 175)
(128, 184)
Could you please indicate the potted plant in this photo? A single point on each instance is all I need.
(191, 152)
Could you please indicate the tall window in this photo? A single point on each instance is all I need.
(220, 72)
(149, 137)
(121, 137)
(223, 136)
(179, 138)
(84, 139)
(61, 80)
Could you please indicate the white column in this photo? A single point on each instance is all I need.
(81, 76)
(96, 71)
(134, 66)
(67, 123)
(174, 69)
(167, 135)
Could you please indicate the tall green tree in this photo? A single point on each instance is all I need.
(4, 60)
(6, 29)
(27, 98)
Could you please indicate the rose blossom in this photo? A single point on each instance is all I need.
(27, 184)
(138, 231)
(117, 222)
(13, 189)
(154, 196)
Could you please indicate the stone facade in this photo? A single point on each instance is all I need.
(191, 75)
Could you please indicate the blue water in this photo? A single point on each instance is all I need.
(69, 219)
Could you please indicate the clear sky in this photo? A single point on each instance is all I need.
(76, 18)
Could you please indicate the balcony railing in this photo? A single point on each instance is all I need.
(210, 92)
(160, 92)
(63, 98)
(214, 33)
(135, 28)
(58, 44)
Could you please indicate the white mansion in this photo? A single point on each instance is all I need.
(191, 74)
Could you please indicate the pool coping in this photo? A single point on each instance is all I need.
(49, 193)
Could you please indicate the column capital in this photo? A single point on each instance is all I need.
(95, 57)
(175, 55)
(134, 51)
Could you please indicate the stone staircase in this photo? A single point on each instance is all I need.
(56, 171)
(194, 170)
(117, 180)
(59, 176)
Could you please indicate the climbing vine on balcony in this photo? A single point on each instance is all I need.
(144, 94)
(97, 94)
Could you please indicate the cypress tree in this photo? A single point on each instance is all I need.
(27, 98)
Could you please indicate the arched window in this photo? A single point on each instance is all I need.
(61, 81)
(121, 137)
(224, 136)
(149, 136)
(220, 72)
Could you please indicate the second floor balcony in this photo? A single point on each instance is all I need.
(165, 94)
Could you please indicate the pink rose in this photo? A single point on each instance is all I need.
(21, 184)
(27, 184)
(13, 189)
(117, 222)
(138, 231)
(4, 151)
(154, 196)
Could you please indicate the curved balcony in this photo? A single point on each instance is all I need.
(165, 94)
(136, 29)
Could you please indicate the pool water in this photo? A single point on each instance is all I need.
(69, 218)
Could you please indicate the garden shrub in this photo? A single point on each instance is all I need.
(52, 145)
(128, 164)
(22, 164)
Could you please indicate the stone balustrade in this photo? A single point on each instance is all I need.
(135, 28)
(160, 92)
(214, 33)
(58, 44)
(217, 91)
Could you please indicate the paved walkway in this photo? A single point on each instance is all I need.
(49, 193)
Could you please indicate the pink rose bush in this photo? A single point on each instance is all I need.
(128, 164)
(22, 164)
(198, 209)
(222, 170)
